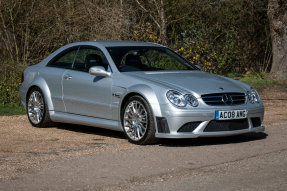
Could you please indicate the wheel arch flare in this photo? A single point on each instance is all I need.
(41, 83)
(147, 93)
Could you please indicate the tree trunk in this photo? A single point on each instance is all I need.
(163, 24)
(277, 15)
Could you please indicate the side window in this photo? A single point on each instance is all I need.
(88, 57)
(64, 61)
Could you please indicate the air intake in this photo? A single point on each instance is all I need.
(226, 125)
(256, 121)
(189, 127)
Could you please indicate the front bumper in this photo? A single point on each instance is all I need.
(209, 134)
(175, 119)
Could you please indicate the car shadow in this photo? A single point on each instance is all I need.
(190, 142)
(212, 140)
(91, 130)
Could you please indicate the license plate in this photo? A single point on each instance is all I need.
(233, 114)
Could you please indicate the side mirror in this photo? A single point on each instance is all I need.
(99, 71)
(198, 67)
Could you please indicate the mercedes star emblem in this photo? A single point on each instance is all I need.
(227, 99)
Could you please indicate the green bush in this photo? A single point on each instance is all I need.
(10, 82)
(225, 36)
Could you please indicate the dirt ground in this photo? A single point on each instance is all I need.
(23, 147)
(275, 103)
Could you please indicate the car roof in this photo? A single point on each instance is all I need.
(114, 43)
(126, 43)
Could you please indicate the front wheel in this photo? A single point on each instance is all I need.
(37, 109)
(138, 121)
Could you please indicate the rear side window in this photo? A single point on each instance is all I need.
(64, 59)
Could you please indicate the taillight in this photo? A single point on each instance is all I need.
(22, 78)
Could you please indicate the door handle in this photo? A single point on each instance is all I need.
(67, 77)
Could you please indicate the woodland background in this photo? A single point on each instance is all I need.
(220, 36)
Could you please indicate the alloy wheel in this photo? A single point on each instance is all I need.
(36, 107)
(135, 120)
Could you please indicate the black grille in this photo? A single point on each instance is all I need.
(162, 125)
(189, 127)
(216, 99)
(256, 121)
(226, 125)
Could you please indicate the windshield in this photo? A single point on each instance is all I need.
(141, 58)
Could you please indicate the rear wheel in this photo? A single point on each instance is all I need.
(138, 121)
(37, 109)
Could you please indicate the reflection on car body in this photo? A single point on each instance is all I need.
(143, 89)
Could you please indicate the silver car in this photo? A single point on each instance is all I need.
(143, 89)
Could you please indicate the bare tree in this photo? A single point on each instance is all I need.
(277, 15)
(32, 29)
(110, 19)
(160, 12)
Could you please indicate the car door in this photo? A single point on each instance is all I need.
(86, 94)
(53, 74)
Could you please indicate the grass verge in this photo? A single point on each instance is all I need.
(255, 79)
(6, 110)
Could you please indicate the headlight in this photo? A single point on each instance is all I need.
(180, 100)
(253, 96)
(176, 98)
(191, 100)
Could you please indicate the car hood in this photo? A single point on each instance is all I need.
(196, 82)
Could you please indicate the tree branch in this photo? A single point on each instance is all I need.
(171, 6)
(148, 13)
(178, 19)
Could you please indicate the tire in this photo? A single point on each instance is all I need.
(37, 109)
(138, 121)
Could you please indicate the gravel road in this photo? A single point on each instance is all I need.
(73, 157)
(249, 162)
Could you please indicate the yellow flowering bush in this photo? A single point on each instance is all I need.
(147, 34)
(212, 58)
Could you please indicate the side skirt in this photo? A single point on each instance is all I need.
(84, 120)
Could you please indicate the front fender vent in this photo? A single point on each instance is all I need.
(162, 125)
